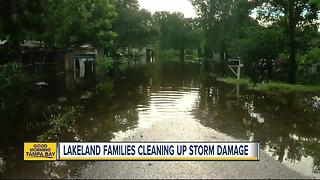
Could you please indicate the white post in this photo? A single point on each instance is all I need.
(238, 71)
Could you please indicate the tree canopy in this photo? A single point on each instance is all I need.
(250, 29)
(221, 20)
(290, 15)
(134, 27)
(279, 27)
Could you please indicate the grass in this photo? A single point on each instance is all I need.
(272, 87)
(235, 81)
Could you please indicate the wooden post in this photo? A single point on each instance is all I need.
(68, 72)
(68, 63)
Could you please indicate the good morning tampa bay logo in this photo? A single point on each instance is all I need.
(40, 151)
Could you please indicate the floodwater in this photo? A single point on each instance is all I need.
(287, 126)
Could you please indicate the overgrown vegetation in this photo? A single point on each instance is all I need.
(283, 33)
(58, 119)
(272, 87)
(103, 64)
(13, 82)
(255, 30)
(252, 30)
(278, 87)
(105, 86)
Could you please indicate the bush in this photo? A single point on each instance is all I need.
(170, 55)
(306, 61)
(310, 57)
(103, 64)
(58, 119)
(313, 56)
(13, 82)
(105, 86)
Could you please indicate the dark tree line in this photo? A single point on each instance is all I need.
(229, 28)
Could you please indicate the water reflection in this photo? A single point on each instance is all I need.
(286, 126)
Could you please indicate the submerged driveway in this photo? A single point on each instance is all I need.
(185, 130)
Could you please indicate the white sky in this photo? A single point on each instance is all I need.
(183, 6)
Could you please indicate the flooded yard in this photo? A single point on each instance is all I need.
(104, 109)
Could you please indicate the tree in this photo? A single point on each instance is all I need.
(173, 32)
(56, 23)
(19, 19)
(292, 14)
(221, 20)
(177, 32)
(77, 22)
(134, 27)
(258, 42)
(194, 34)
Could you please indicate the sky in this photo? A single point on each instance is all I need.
(183, 6)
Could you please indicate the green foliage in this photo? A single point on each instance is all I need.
(290, 16)
(20, 18)
(277, 87)
(13, 83)
(103, 64)
(105, 86)
(258, 42)
(277, 28)
(277, 11)
(311, 57)
(177, 33)
(59, 118)
(272, 87)
(172, 30)
(74, 21)
(59, 23)
(307, 61)
(134, 27)
(222, 20)
(169, 54)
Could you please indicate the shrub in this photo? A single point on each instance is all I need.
(13, 82)
(103, 64)
(305, 62)
(313, 56)
(59, 119)
(105, 86)
(171, 55)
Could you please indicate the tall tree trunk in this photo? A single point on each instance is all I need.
(18, 57)
(182, 54)
(14, 28)
(291, 30)
(199, 52)
(222, 58)
(223, 41)
(182, 48)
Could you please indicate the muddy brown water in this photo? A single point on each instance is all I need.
(287, 126)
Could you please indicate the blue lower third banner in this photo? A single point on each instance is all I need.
(184, 151)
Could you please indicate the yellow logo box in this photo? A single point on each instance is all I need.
(38, 151)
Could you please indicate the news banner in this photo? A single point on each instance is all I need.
(175, 151)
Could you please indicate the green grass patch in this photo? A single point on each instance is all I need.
(234, 81)
(272, 87)
(285, 88)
